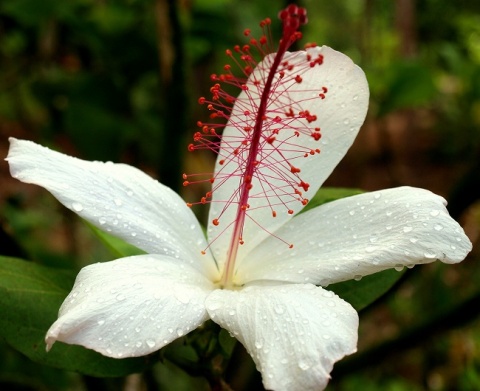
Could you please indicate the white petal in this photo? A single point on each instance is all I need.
(117, 198)
(339, 116)
(294, 333)
(360, 235)
(132, 306)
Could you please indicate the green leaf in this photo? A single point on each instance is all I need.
(361, 294)
(30, 296)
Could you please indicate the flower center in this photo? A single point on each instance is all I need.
(268, 124)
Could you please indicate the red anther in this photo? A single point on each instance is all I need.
(310, 45)
(291, 246)
(199, 124)
(228, 52)
(248, 179)
(197, 136)
(204, 129)
(304, 185)
(290, 67)
(186, 183)
(191, 147)
(246, 112)
(241, 241)
(247, 128)
(294, 170)
(189, 204)
(249, 186)
(274, 214)
(221, 162)
(184, 176)
(317, 129)
(246, 48)
(325, 90)
(203, 200)
(248, 70)
(322, 96)
(213, 77)
(237, 49)
(201, 100)
(263, 40)
(212, 180)
(271, 139)
(213, 132)
(316, 136)
(215, 222)
(244, 207)
(236, 151)
(208, 194)
(255, 163)
(277, 119)
(298, 192)
(296, 133)
(246, 32)
(304, 201)
(290, 212)
(244, 87)
(317, 150)
(298, 79)
(290, 113)
(245, 142)
(312, 152)
(253, 42)
(292, 9)
(227, 67)
(281, 74)
(213, 115)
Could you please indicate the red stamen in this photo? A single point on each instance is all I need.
(271, 130)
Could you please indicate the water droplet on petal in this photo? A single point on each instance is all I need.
(101, 322)
(102, 220)
(77, 206)
(430, 254)
(120, 297)
(438, 227)
(150, 343)
(303, 365)
(434, 213)
(118, 202)
(399, 267)
(407, 229)
(357, 277)
(180, 332)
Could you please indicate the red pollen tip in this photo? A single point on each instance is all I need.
(246, 32)
(298, 79)
(290, 212)
(186, 183)
(274, 214)
(215, 222)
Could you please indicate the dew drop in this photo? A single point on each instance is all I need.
(138, 329)
(120, 297)
(434, 213)
(180, 332)
(303, 365)
(279, 309)
(150, 343)
(118, 202)
(357, 277)
(438, 227)
(407, 229)
(102, 220)
(430, 254)
(101, 322)
(351, 213)
(355, 97)
(77, 206)
(399, 267)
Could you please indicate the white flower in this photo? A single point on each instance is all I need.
(294, 329)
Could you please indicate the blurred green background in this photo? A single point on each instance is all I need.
(119, 80)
